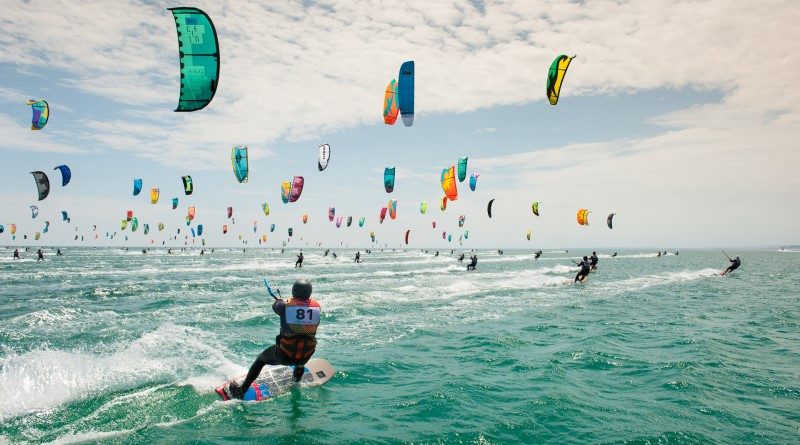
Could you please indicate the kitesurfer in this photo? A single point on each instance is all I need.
(536, 255)
(299, 262)
(41, 255)
(735, 263)
(615, 254)
(436, 254)
(16, 254)
(593, 261)
(58, 252)
(585, 269)
(334, 255)
(461, 258)
(297, 340)
(473, 262)
(358, 257)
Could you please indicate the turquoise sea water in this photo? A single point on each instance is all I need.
(110, 346)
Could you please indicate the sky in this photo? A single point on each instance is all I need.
(682, 117)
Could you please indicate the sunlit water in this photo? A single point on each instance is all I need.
(113, 346)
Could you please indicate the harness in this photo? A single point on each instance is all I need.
(302, 318)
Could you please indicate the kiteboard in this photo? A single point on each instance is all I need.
(584, 279)
(276, 380)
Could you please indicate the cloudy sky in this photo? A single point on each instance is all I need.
(683, 118)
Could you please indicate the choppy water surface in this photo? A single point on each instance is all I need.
(113, 346)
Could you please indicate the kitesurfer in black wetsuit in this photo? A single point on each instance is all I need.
(615, 254)
(593, 261)
(41, 255)
(536, 255)
(297, 341)
(585, 269)
(735, 263)
(461, 258)
(299, 262)
(473, 262)
(358, 257)
(16, 254)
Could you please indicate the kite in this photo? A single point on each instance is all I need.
(297, 188)
(434, 224)
(535, 208)
(240, 163)
(324, 156)
(449, 183)
(272, 227)
(190, 215)
(199, 230)
(610, 220)
(443, 205)
(405, 89)
(174, 203)
(555, 77)
(265, 208)
(361, 221)
(466, 234)
(388, 179)
(473, 181)
(66, 174)
(390, 107)
(339, 221)
(461, 220)
(305, 218)
(161, 226)
(41, 113)
(129, 215)
(230, 212)
(423, 207)
(188, 187)
(392, 207)
(382, 215)
(146, 228)
(224, 229)
(134, 224)
(349, 221)
(34, 211)
(290, 231)
(528, 235)
(372, 236)
(444, 234)
(137, 186)
(42, 184)
(583, 217)
(154, 193)
(255, 226)
(489, 208)
(462, 169)
(408, 232)
(331, 213)
(65, 216)
(286, 187)
(198, 50)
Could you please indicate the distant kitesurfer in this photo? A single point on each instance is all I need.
(16, 254)
(334, 255)
(358, 257)
(436, 254)
(473, 262)
(41, 255)
(296, 343)
(593, 261)
(659, 254)
(585, 269)
(615, 254)
(299, 262)
(461, 258)
(735, 263)
(536, 255)
(58, 252)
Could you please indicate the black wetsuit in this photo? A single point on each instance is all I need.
(299, 262)
(41, 256)
(16, 254)
(593, 261)
(461, 258)
(585, 269)
(537, 255)
(358, 257)
(735, 263)
(474, 263)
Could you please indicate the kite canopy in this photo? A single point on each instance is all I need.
(528, 235)
(198, 50)
(64, 215)
(392, 207)
(265, 208)
(382, 215)
(324, 156)
(188, 187)
(555, 77)
(461, 220)
(466, 234)
(129, 215)
(444, 234)
(191, 213)
(154, 193)
(161, 226)
(42, 184)
(297, 188)
(66, 174)
(290, 231)
(406, 92)
(610, 220)
(390, 106)
(286, 188)
(230, 212)
(433, 224)
(388, 179)
(305, 218)
(339, 221)
(349, 221)
(41, 113)
(361, 221)
(462, 169)
(146, 228)
(199, 230)
(174, 203)
(473, 181)
(34, 211)
(583, 217)
(372, 236)
(240, 162)
(408, 232)
(134, 224)
(137, 186)
(449, 183)
(224, 229)
(443, 205)
(272, 227)
(489, 207)
(331, 213)
(423, 207)
(535, 208)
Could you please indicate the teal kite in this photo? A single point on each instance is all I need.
(240, 163)
(198, 49)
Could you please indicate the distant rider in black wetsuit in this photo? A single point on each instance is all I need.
(16, 254)
(297, 341)
(585, 269)
(593, 261)
(461, 258)
(536, 255)
(358, 257)
(735, 263)
(473, 262)
(299, 262)
(41, 255)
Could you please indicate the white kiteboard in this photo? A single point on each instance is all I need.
(276, 380)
